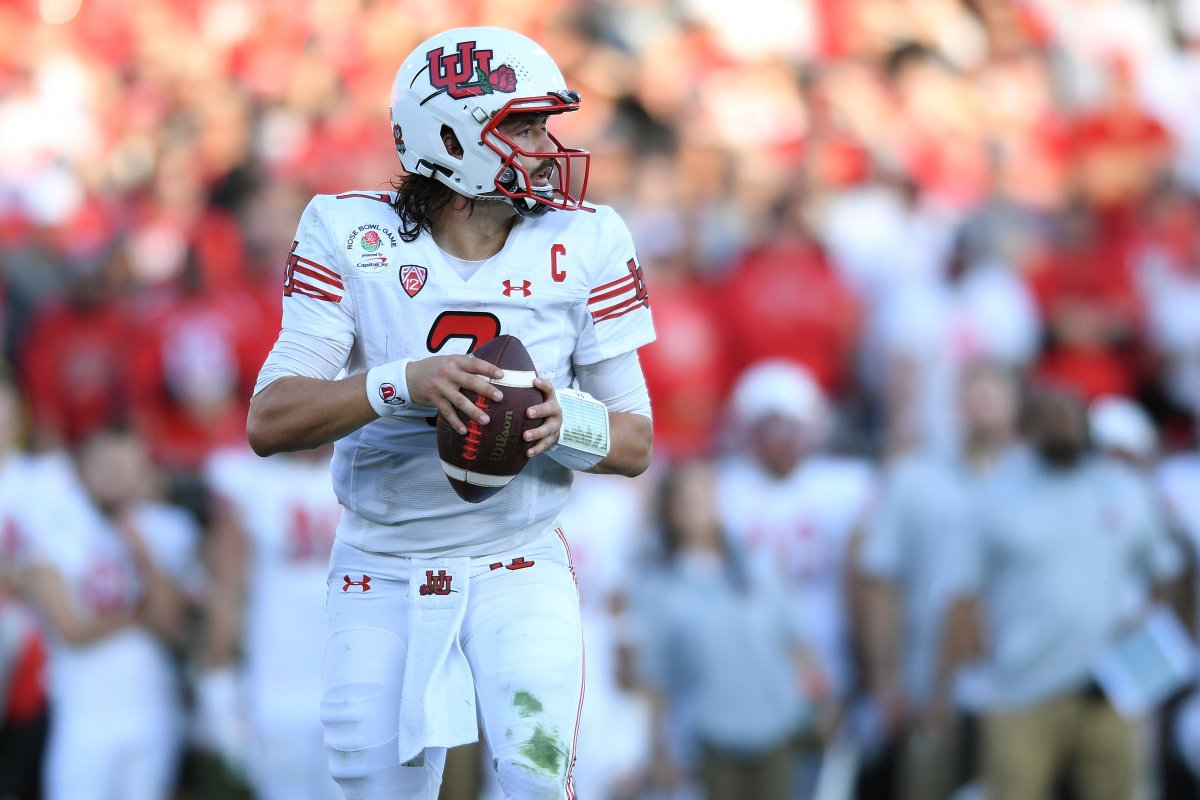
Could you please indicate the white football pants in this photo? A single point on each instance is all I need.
(522, 638)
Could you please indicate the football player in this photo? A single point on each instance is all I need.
(790, 506)
(273, 523)
(433, 601)
(113, 574)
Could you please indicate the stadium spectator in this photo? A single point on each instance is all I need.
(73, 358)
(722, 652)
(922, 514)
(1059, 536)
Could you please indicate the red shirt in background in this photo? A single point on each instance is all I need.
(192, 367)
(73, 369)
(686, 369)
(785, 300)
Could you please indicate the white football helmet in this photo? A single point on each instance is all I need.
(471, 80)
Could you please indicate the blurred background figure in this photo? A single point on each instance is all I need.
(722, 654)
(604, 523)
(22, 701)
(29, 486)
(259, 690)
(792, 508)
(922, 514)
(1061, 540)
(112, 572)
(1121, 429)
(1177, 479)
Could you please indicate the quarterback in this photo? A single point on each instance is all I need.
(436, 604)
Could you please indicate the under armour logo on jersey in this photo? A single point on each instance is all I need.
(363, 585)
(517, 563)
(436, 584)
(523, 288)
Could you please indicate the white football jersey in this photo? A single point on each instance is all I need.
(802, 524)
(289, 513)
(34, 490)
(568, 285)
(128, 674)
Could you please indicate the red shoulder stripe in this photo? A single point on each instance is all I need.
(308, 290)
(626, 285)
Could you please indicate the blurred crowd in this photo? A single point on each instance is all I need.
(926, 280)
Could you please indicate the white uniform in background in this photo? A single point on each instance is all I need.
(32, 490)
(116, 707)
(288, 512)
(603, 521)
(802, 525)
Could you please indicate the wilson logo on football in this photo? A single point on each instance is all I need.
(467, 72)
(412, 278)
(363, 585)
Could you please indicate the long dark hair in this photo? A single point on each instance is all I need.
(418, 199)
(671, 536)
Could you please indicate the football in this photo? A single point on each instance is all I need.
(482, 462)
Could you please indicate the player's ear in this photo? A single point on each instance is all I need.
(451, 142)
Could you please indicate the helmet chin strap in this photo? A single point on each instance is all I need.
(526, 206)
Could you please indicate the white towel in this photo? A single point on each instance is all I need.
(437, 698)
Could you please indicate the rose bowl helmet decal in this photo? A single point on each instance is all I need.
(471, 80)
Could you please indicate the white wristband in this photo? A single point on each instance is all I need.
(583, 439)
(387, 388)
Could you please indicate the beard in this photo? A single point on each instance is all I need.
(1061, 453)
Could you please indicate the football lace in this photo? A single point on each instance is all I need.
(475, 432)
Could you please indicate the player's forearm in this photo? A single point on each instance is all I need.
(49, 592)
(299, 413)
(631, 437)
(227, 566)
(163, 610)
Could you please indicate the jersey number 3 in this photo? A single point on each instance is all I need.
(477, 327)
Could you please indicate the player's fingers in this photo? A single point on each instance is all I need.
(477, 366)
(542, 438)
(549, 410)
(448, 413)
(464, 404)
(480, 385)
(544, 386)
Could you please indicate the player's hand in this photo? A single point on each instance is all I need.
(439, 381)
(545, 435)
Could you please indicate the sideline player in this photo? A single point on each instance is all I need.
(791, 505)
(260, 694)
(113, 578)
(434, 601)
